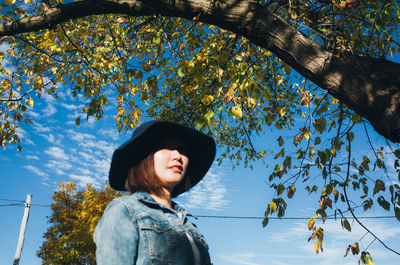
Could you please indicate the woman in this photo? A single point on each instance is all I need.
(162, 160)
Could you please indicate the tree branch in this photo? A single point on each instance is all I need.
(369, 86)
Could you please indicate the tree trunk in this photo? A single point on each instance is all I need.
(371, 87)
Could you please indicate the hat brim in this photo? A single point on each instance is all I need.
(200, 148)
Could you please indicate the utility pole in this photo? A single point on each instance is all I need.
(22, 229)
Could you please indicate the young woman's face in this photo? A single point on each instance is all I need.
(171, 163)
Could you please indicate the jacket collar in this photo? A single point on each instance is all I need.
(147, 199)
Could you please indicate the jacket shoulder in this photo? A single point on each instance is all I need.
(127, 202)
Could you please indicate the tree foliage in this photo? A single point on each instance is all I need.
(167, 63)
(75, 214)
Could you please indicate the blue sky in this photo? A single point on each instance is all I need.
(54, 149)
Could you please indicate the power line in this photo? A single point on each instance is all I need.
(11, 204)
(286, 218)
(11, 200)
(331, 217)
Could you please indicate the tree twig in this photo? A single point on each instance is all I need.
(348, 203)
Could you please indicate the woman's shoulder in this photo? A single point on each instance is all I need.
(126, 203)
(135, 202)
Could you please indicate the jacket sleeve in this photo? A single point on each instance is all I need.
(116, 236)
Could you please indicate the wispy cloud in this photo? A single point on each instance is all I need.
(110, 133)
(53, 139)
(260, 258)
(71, 106)
(36, 171)
(21, 133)
(90, 142)
(209, 194)
(82, 181)
(96, 162)
(40, 128)
(50, 109)
(58, 166)
(80, 137)
(57, 153)
(32, 157)
(239, 258)
(33, 114)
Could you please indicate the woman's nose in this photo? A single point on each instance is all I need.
(176, 154)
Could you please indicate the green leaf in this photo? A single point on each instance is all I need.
(287, 163)
(397, 212)
(280, 141)
(350, 135)
(320, 125)
(379, 186)
(291, 191)
(356, 118)
(265, 222)
(366, 258)
(209, 115)
(281, 189)
(346, 224)
(384, 203)
(201, 124)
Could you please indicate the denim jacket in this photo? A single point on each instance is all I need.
(135, 229)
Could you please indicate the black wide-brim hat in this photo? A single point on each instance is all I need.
(147, 138)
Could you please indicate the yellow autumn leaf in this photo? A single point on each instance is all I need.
(29, 102)
(370, 261)
(307, 134)
(207, 99)
(316, 247)
(180, 72)
(272, 207)
(311, 223)
(251, 102)
(355, 249)
(282, 112)
(121, 20)
(267, 53)
(237, 112)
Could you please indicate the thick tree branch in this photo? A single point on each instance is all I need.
(371, 87)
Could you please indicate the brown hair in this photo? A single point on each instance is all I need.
(142, 177)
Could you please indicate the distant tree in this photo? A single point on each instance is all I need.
(225, 67)
(74, 217)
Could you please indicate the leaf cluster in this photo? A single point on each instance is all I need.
(74, 217)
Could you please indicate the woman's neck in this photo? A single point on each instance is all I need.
(164, 199)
